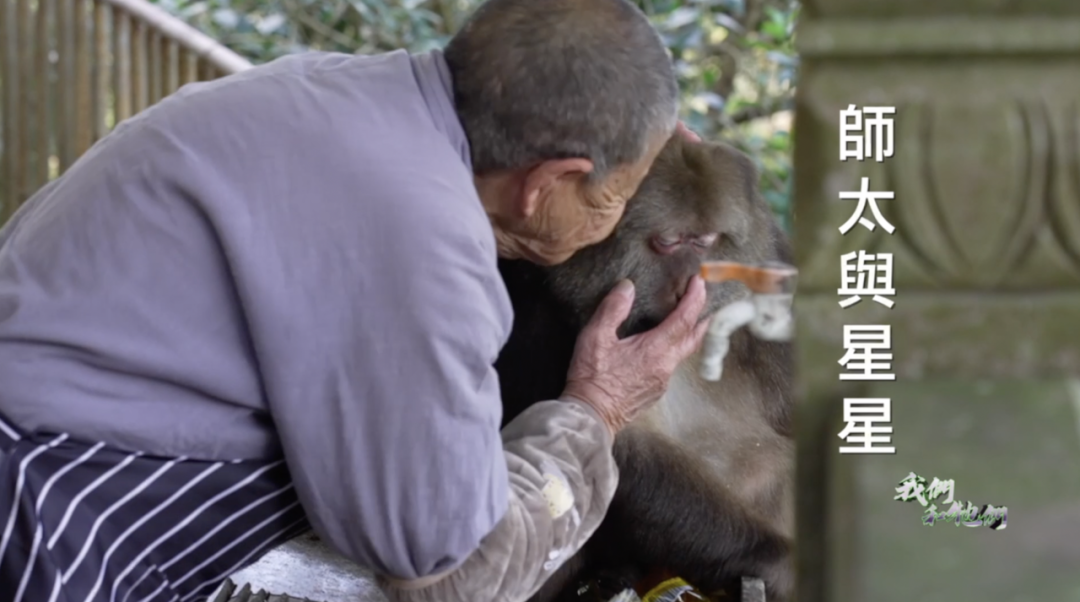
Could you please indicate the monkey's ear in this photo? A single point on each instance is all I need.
(545, 179)
(744, 166)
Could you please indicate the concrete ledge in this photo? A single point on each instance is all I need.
(867, 38)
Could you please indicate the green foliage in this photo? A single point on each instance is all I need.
(735, 58)
(737, 66)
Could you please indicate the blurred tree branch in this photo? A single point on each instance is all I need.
(763, 110)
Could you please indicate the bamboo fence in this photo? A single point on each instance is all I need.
(72, 69)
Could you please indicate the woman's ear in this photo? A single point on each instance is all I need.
(544, 178)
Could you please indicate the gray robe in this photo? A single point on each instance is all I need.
(294, 261)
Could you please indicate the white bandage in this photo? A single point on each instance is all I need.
(767, 316)
(726, 321)
(773, 321)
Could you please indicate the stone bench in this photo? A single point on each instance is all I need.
(305, 570)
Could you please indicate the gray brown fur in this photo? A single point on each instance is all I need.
(706, 476)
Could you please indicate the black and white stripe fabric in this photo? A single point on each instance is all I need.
(86, 523)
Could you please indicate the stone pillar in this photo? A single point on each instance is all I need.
(986, 322)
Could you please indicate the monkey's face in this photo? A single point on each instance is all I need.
(699, 202)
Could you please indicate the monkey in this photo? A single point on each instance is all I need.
(706, 474)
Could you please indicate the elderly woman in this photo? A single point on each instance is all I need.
(270, 303)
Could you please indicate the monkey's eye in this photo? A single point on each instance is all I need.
(706, 240)
(665, 243)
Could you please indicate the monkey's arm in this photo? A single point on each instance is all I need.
(562, 479)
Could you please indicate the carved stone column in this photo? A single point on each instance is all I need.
(986, 176)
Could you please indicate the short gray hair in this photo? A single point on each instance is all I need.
(538, 80)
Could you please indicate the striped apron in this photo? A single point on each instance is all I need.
(86, 523)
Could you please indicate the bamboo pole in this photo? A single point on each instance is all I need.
(138, 71)
(189, 71)
(7, 109)
(64, 94)
(172, 66)
(153, 68)
(41, 59)
(23, 84)
(83, 107)
(102, 70)
(207, 71)
(121, 66)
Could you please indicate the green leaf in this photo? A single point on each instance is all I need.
(226, 18)
(682, 16)
(270, 24)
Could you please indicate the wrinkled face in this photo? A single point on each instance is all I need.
(572, 216)
(699, 202)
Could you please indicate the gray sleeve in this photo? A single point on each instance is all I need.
(386, 403)
(562, 478)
